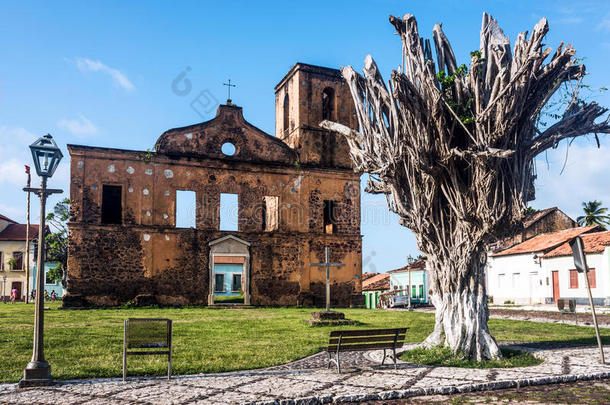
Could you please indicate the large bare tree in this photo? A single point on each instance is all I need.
(453, 150)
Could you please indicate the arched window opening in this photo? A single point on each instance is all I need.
(328, 104)
(286, 115)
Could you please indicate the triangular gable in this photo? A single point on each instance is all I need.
(229, 126)
(229, 237)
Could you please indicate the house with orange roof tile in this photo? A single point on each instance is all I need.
(521, 274)
(569, 283)
(373, 285)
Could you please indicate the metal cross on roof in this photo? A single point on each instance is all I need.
(229, 85)
(328, 265)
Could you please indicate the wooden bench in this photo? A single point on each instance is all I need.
(364, 340)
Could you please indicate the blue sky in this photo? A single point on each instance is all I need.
(101, 73)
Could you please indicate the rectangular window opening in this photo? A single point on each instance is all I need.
(330, 216)
(573, 279)
(219, 285)
(270, 213)
(47, 280)
(186, 209)
(18, 256)
(236, 283)
(229, 212)
(112, 205)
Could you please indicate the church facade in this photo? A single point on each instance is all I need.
(296, 194)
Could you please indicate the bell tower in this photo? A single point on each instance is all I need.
(307, 95)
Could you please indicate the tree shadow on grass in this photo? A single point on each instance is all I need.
(564, 343)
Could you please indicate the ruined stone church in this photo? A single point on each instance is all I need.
(296, 193)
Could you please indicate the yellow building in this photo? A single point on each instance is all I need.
(13, 257)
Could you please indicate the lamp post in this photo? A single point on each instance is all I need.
(3, 287)
(46, 157)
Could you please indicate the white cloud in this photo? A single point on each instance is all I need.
(585, 178)
(604, 24)
(119, 78)
(79, 127)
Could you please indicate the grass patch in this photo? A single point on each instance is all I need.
(443, 357)
(88, 343)
(229, 299)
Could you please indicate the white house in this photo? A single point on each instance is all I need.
(521, 273)
(566, 282)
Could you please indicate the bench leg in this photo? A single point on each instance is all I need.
(169, 365)
(335, 360)
(338, 363)
(384, 356)
(394, 357)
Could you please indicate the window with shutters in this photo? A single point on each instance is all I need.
(573, 279)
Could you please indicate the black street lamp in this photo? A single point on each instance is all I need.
(46, 156)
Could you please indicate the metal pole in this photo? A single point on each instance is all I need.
(27, 246)
(599, 340)
(38, 371)
(327, 279)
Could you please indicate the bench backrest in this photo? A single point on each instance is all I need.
(366, 339)
(561, 305)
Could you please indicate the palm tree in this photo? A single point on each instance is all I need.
(595, 214)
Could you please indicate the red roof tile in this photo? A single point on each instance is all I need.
(547, 241)
(594, 243)
(377, 282)
(419, 264)
(366, 276)
(7, 219)
(17, 232)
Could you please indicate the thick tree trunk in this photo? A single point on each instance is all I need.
(461, 310)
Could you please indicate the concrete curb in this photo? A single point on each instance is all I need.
(443, 390)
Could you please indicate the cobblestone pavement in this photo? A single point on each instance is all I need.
(364, 379)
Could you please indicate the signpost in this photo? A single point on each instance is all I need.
(580, 261)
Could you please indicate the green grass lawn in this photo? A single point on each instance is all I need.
(88, 343)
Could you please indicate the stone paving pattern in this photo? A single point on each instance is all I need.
(308, 381)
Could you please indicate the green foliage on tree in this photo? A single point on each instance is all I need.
(57, 240)
(530, 210)
(595, 214)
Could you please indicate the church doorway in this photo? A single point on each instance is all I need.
(229, 271)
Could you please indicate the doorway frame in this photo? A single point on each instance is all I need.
(232, 246)
(553, 274)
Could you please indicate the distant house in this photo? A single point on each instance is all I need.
(544, 221)
(373, 285)
(518, 275)
(566, 282)
(399, 281)
(12, 256)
